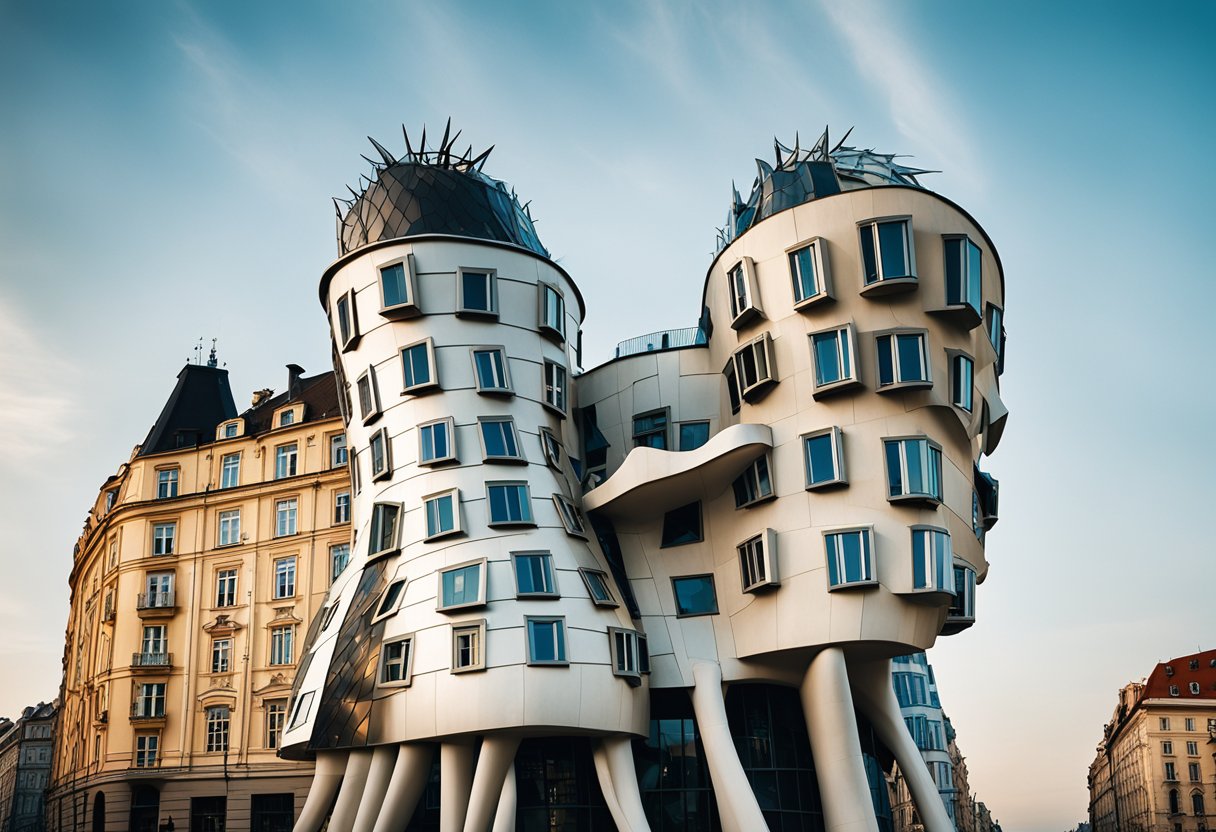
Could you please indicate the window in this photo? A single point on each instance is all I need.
(302, 709)
(693, 435)
(398, 289)
(570, 516)
(230, 527)
(695, 595)
(964, 274)
(385, 517)
(597, 587)
(551, 447)
(741, 286)
(477, 292)
(914, 469)
(850, 557)
(963, 605)
(154, 645)
(1163, 723)
(159, 590)
(221, 655)
(626, 648)
(287, 417)
(546, 640)
(285, 577)
(490, 369)
(329, 613)
(436, 442)
(534, 575)
(111, 499)
(442, 514)
(467, 640)
(809, 273)
(510, 503)
(932, 559)
(229, 430)
(276, 717)
(1170, 772)
(380, 449)
(225, 588)
(418, 367)
(555, 386)
(151, 701)
(1192, 748)
(282, 640)
(462, 586)
(1193, 687)
(823, 453)
(732, 385)
(887, 253)
(1167, 747)
(341, 507)
(146, 747)
(369, 395)
(389, 600)
(682, 525)
(285, 461)
(995, 329)
(650, 429)
(755, 371)
(230, 471)
(163, 535)
(758, 561)
(347, 323)
(339, 556)
(395, 661)
(552, 312)
(285, 517)
(754, 485)
(833, 352)
(217, 728)
(499, 442)
(337, 450)
(1190, 723)
(902, 359)
(166, 483)
(1197, 806)
(962, 381)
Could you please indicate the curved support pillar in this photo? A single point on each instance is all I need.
(325, 782)
(875, 697)
(455, 783)
(496, 759)
(604, 775)
(504, 818)
(384, 758)
(405, 788)
(736, 800)
(357, 767)
(616, 754)
(836, 746)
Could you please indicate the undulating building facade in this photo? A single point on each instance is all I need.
(663, 593)
(203, 560)
(25, 768)
(1155, 768)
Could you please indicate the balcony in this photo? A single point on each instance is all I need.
(148, 711)
(145, 661)
(155, 604)
(667, 339)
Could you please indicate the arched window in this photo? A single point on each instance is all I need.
(1174, 808)
(1197, 804)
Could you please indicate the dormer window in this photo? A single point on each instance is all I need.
(230, 429)
(291, 415)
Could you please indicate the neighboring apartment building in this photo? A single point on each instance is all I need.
(1155, 770)
(25, 768)
(200, 566)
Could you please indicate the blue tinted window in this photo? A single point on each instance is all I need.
(886, 366)
(416, 366)
(499, 437)
(693, 435)
(848, 555)
(462, 585)
(509, 504)
(911, 358)
(802, 269)
(435, 442)
(546, 640)
(829, 358)
(534, 574)
(440, 515)
(695, 595)
(893, 240)
(820, 459)
(475, 291)
(392, 279)
(682, 525)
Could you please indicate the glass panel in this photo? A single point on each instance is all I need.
(475, 287)
(893, 240)
(919, 555)
(806, 282)
(462, 586)
(695, 595)
(911, 358)
(821, 461)
(693, 435)
(894, 469)
(954, 270)
(886, 369)
(868, 258)
(853, 563)
(827, 359)
(392, 278)
(975, 283)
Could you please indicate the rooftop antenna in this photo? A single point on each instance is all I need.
(198, 352)
(211, 361)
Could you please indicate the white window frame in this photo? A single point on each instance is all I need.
(432, 383)
(452, 494)
(337, 450)
(286, 460)
(938, 552)
(962, 608)
(164, 543)
(551, 448)
(348, 340)
(932, 464)
(221, 655)
(549, 575)
(887, 341)
(758, 561)
(753, 483)
(962, 390)
(477, 631)
(147, 750)
(883, 282)
(334, 551)
(570, 516)
(602, 577)
(526, 504)
(341, 508)
(763, 367)
(555, 381)
(553, 326)
(276, 722)
(287, 416)
(491, 278)
(742, 292)
(560, 640)
(167, 481)
(846, 335)
(286, 517)
(837, 440)
(228, 527)
(368, 410)
(835, 555)
(409, 307)
(282, 645)
(375, 532)
(449, 427)
(971, 286)
(387, 605)
(493, 386)
(385, 469)
(222, 591)
(822, 278)
(285, 576)
(234, 480)
(217, 729)
(406, 663)
(482, 579)
(518, 457)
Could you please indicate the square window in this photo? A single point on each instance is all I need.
(962, 381)
(849, 557)
(741, 287)
(285, 517)
(509, 503)
(418, 367)
(682, 526)
(437, 442)
(468, 652)
(166, 483)
(626, 650)
(902, 359)
(693, 435)
(477, 292)
(809, 273)
(396, 661)
(285, 577)
(695, 595)
(230, 430)
(230, 527)
(163, 538)
(442, 514)
(598, 587)
(339, 557)
(754, 485)
(380, 450)
(398, 289)
(964, 274)
(369, 395)
(650, 429)
(552, 312)
(546, 641)
(914, 469)
(230, 471)
(337, 450)
(499, 442)
(823, 453)
(755, 371)
(346, 323)
(555, 386)
(551, 447)
(570, 517)
(833, 351)
(932, 559)
(225, 588)
(462, 586)
(285, 459)
(758, 561)
(389, 600)
(534, 575)
(887, 252)
(341, 507)
(490, 369)
(385, 529)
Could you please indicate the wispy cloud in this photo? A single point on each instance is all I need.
(35, 386)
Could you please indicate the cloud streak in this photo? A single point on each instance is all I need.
(34, 385)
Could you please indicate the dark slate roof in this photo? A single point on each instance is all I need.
(319, 394)
(200, 401)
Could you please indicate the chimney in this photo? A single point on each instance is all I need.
(262, 395)
(294, 371)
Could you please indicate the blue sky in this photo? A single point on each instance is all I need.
(167, 170)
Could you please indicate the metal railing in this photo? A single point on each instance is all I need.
(151, 659)
(155, 600)
(148, 709)
(666, 339)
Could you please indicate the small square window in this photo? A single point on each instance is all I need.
(758, 561)
(888, 255)
(380, 451)
(741, 287)
(964, 274)
(385, 531)
(914, 469)
(755, 370)
(462, 586)
(346, 321)
(823, 453)
(510, 504)
(650, 429)
(534, 575)
(962, 381)
(695, 595)
(809, 273)
(390, 599)
(396, 661)
(570, 516)
(598, 587)
(833, 351)
(546, 640)
(551, 447)
(499, 442)
(850, 557)
(693, 435)
(682, 526)
(437, 442)
(286, 417)
(555, 386)
(932, 560)
(754, 485)
(552, 312)
(477, 292)
(369, 395)
(418, 371)
(491, 371)
(398, 289)
(442, 514)
(903, 359)
(164, 537)
(468, 646)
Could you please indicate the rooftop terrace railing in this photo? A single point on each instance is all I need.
(667, 339)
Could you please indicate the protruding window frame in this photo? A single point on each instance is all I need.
(393, 540)
(762, 352)
(882, 283)
(555, 330)
(550, 576)
(743, 293)
(610, 600)
(751, 476)
(457, 526)
(852, 379)
(834, 560)
(407, 663)
(943, 562)
(759, 549)
(480, 600)
(555, 384)
(571, 517)
(516, 458)
(551, 447)
(478, 629)
(530, 520)
(431, 383)
(386, 470)
(504, 387)
(823, 272)
(409, 308)
(373, 390)
(561, 641)
(346, 342)
(491, 277)
(965, 403)
(381, 611)
(450, 428)
(892, 338)
(906, 495)
(837, 442)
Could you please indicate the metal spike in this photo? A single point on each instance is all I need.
(844, 138)
(422, 147)
(443, 143)
(352, 193)
(388, 157)
(408, 150)
(481, 158)
(375, 165)
(777, 150)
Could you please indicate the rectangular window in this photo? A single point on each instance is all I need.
(754, 485)
(964, 273)
(163, 537)
(1189, 723)
(341, 507)
(732, 385)
(442, 514)
(758, 561)
(755, 371)
(282, 642)
(510, 503)
(302, 708)
(379, 449)
(285, 461)
(693, 435)
(546, 640)
(914, 469)
(166, 483)
(398, 293)
(534, 575)
(1171, 772)
(146, 748)
(285, 517)
(225, 588)
(389, 600)
(552, 312)
(570, 516)
(932, 559)
(369, 395)
(555, 386)
(962, 381)
(823, 453)
(598, 587)
(437, 442)
(285, 577)
(221, 655)
(395, 661)
(217, 728)
(154, 644)
(490, 369)
(230, 430)
(902, 359)
(1192, 748)
(833, 352)
(650, 429)
(230, 471)
(384, 532)
(159, 590)
(626, 649)
(741, 286)
(963, 605)
(551, 446)
(1163, 723)
(276, 718)
(995, 329)
(418, 367)
(695, 595)
(337, 450)
(682, 525)
(886, 252)
(462, 586)
(339, 556)
(849, 557)
(468, 639)
(230, 527)
(347, 324)
(477, 292)
(499, 442)
(1192, 770)
(287, 417)
(1167, 747)
(809, 273)
(151, 701)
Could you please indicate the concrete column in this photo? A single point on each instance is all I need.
(504, 818)
(357, 767)
(384, 758)
(736, 801)
(455, 783)
(325, 781)
(405, 787)
(496, 759)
